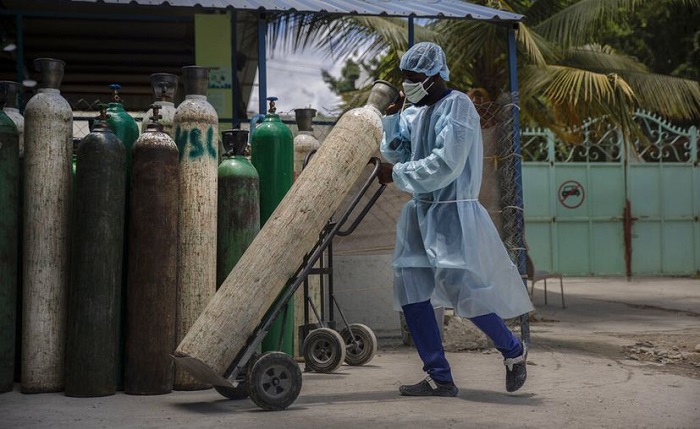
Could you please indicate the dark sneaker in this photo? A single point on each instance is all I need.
(516, 371)
(429, 387)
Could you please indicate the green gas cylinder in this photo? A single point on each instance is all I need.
(238, 210)
(127, 131)
(272, 154)
(122, 124)
(9, 196)
(12, 110)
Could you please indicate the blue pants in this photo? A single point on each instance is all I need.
(420, 319)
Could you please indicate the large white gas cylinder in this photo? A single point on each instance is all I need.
(48, 147)
(197, 138)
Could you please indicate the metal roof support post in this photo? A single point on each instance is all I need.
(519, 213)
(262, 64)
(411, 32)
(19, 52)
(235, 85)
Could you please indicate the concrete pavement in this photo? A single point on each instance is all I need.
(621, 355)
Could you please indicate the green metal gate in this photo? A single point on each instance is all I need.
(601, 207)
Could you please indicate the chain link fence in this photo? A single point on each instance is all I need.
(84, 115)
(500, 192)
(375, 235)
(500, 195)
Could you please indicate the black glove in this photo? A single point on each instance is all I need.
(396, 105)
(384, 175)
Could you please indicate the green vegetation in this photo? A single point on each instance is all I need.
(576, 58)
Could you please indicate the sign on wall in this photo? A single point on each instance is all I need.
(571, 194)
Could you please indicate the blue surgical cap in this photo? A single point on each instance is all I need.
(427, 58)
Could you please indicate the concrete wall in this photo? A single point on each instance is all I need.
(363, 289)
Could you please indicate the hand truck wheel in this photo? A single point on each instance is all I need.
(324, 350)
(274, 381)
(362, 349)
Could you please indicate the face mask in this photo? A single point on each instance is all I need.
(415, 92)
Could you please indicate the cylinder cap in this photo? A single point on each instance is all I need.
(51, 72)
(12, 89)
(382, 95)
(304, 118)
(164, 86)
(196, 80)
(235, 141)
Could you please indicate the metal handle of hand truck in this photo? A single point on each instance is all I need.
(375, 172)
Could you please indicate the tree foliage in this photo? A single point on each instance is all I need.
(576, 58)
(664, 36)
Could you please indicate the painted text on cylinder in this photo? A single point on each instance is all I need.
(197, 139)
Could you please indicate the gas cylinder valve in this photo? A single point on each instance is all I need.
(115, 87)
(272, 100)
(154, 124)
(156, 113)
(103, 116)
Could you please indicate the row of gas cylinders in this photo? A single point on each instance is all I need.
(105, 266)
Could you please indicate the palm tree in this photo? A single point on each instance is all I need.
(564, 75)
(376, 42)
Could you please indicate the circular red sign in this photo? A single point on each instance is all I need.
(571, 194)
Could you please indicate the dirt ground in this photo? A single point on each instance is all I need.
(673, 352)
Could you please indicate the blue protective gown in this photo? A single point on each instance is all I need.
(447, 247)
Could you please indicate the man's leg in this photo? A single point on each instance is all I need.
(420, 319)
(513, 350)
(425, 331)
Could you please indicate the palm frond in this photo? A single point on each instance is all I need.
(574, 25)
(601, 58)
(691, 3)
(670, 96)
(540, 10)
(294, 30)
(532, 81)
(569, 96)
(340, 36)
(468, 40)
(534, 110)
(673, 97)
(538, 50)
(576, 86)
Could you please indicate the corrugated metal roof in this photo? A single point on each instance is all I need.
(398, 8)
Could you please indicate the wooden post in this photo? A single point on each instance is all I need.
(222, 330)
